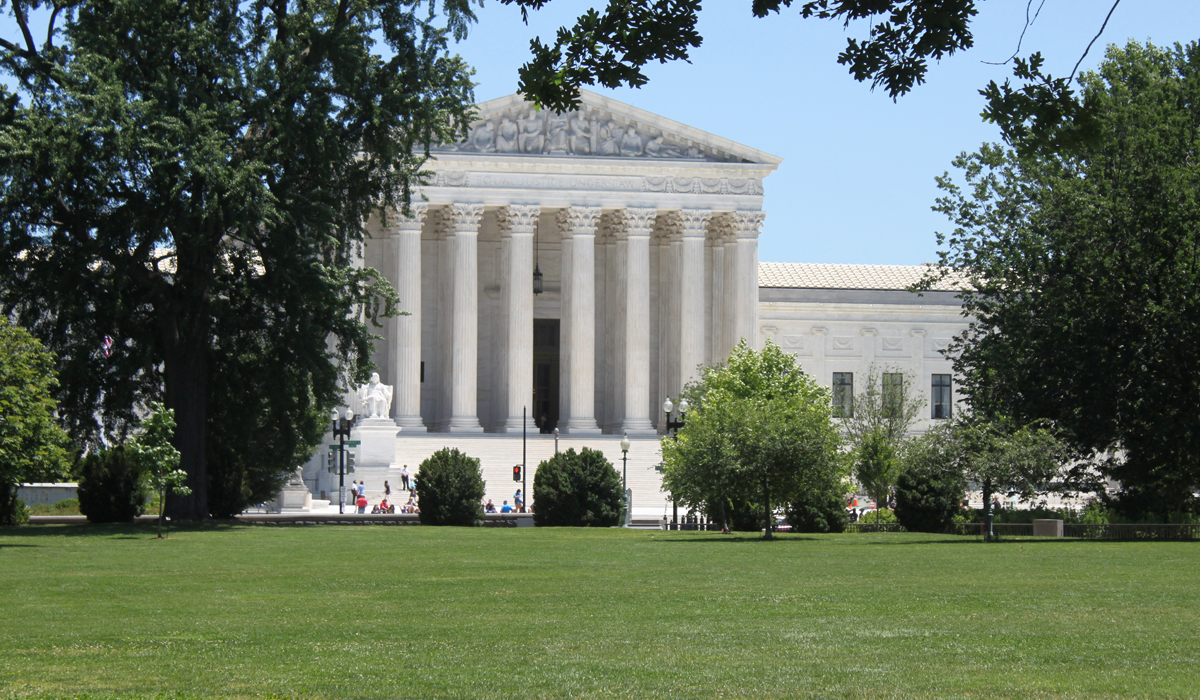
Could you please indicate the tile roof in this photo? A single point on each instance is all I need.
(824, 276)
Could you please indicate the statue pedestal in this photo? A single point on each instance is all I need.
(378, 442)
(295, 498)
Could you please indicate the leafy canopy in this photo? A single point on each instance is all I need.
(32, 445)
(1084, 286)
(577, 490)
(194, 180)
(760, 430)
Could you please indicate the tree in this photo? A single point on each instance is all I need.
(451, 489)
(612, 47)
(997, 453)
(759, 430)
(157, 458)
(577, 490)
(112, 488)
(930, 487)
(193, 179)
(1083, 283)
(876, 427)
(32, 445)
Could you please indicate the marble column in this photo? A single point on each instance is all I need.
(517, 227)
(464, 330)
(692, 331)
(577, 225)
(746, 225)
(406, 334)
(633, 354)
(670, 246)
(608, 337)
(719, 229)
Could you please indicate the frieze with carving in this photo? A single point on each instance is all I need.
(588, 132)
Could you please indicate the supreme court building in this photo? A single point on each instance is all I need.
(578, 268)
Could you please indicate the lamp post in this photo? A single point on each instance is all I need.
(625, 479)
(341, 431)
(556, 441)
(672, 429)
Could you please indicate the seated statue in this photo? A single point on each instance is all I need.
(376, 398)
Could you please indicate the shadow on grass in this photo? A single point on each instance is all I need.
(1006, 541)
(2, 546)
(717, 537)
(131, 531)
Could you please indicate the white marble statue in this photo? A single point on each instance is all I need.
(375, 398)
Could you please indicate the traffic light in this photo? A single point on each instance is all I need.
(349, 461)
(331, 462)
(517, 473)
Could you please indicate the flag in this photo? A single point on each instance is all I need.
(107, 345)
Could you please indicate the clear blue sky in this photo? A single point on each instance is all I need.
(857, 180)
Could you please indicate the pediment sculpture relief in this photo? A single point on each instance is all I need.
(582, 133)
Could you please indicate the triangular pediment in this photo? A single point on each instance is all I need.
(601, 128)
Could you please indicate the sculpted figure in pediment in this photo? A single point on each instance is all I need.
(631, 143)
(558, 142)
(581, 135)
(482, 136)
(531, 138)
(608, 139)
(657, 148)
(506, 136)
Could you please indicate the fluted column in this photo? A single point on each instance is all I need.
(746, 225)
(632, 228)
(577, 225)
(692, 331)
(464, 330)
(718, 230)
(517, 227)
(406, 335)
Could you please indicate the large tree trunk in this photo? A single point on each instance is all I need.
(185, 370)
(987, 510)
(767, 509)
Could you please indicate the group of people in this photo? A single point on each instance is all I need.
(518, 505)
(358, 496)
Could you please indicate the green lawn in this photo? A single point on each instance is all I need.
(389, 612)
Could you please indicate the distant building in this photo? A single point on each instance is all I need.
(580, 267)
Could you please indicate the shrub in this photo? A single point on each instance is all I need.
(12, 509)
(451, 491)
(818, 511)
(928, 499)
(577, 489)
(882, 515)
(110, 487)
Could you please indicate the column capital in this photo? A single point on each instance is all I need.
(632, 222)
(463, 217)
(747, 223)
(518, 218)
(685, 223)
(411, 223)
(721, 227)
(577, 220)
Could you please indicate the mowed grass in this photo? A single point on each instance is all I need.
(420, 612)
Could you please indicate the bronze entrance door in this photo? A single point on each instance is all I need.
(545, 374)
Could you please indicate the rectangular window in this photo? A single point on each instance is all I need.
(893, 394)
(843, 394)
(941, 393)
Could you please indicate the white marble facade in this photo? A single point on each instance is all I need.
(646, 234)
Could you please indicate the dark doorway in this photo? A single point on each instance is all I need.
(545, 374)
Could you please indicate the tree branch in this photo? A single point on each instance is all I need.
(1089, 46)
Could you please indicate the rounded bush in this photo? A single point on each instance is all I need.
(577, 490)
(450, 490)
(927, 500)
(818, 511)
(110, 487)
(12, 509)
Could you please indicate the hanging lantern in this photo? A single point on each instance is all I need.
(537, 280)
